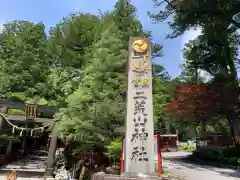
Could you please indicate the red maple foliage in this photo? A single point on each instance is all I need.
(202, 101)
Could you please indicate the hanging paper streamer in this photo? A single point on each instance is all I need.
(13, 129)
(21, 132)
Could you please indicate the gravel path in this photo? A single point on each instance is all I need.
(172, 162)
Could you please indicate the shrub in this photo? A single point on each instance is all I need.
(114, 150)
(228, 156)
(187, 147)
(212, 154)
(231, 152)
(233, 161)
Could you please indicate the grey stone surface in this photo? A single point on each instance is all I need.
(125, 176)
(136, 165)
(3, 177)
(190, 171)
(35, 163)
(31, 167)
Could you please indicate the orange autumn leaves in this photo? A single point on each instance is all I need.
(202, 101)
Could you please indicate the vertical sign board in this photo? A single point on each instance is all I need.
(139, 149)
(30, 111)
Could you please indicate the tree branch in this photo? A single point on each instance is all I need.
(230, 19)
(235, 23)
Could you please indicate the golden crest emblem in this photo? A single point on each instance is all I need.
(12, 176)
(140, 46)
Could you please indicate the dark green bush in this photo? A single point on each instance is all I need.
(233, 161)
(213, 154)
(231, 152)
(227, 156)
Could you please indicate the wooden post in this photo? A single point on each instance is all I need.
(122, 158)
(9, 147)
(51, 154)
(4, 110)
(160, 163)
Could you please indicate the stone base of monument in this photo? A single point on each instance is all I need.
(127, 176)
(49, 178)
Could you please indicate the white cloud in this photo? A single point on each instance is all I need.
(205, 75)
(190, 35)
(187, 36)
(1, 27)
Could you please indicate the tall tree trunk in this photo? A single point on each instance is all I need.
(79, 169)
(9, 147)
(204, 127)
(235, 120)
(232, 130)
(237, 130)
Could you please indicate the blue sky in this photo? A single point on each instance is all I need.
(50, 12)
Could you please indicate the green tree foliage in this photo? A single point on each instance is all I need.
(24, 65)
(97, 107)
(163, 89)
(210, 54)
(82, 68)
(218, 21)
(215, 51)
(196, 13)
(70, 39)
(124, 17)
(114, 150)
(68, 44)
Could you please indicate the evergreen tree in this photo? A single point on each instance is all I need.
(97, 107)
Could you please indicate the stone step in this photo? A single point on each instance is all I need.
(23, 172)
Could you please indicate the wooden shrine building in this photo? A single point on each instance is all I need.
(30, 127)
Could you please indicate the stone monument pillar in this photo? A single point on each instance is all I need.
(139, 145)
